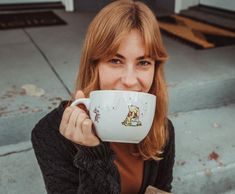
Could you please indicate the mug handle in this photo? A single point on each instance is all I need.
(85, 101)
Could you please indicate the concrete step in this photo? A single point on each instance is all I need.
(16, 129)
(204, 161)
(204, 146)
(184, 97)
(19, 171)
(199, 79)
(230, 192)
(212, 16)
(27, 93)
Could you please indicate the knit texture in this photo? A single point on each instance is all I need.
(69, 169)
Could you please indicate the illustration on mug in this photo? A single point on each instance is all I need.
(97, 115)
(132, 118)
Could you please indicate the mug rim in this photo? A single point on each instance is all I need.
(122, 91)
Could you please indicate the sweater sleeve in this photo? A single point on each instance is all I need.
(70, 170)
(165, 174)
(98, 173)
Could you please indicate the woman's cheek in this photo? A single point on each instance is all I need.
(108, 81)
(147, 81)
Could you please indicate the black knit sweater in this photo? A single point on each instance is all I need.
(70, 169)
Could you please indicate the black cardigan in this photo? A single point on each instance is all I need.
(69, 168)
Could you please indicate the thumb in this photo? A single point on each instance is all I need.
(79, 94)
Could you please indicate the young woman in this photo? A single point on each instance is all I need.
(123, 50)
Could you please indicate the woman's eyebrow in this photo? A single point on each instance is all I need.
(138, 58)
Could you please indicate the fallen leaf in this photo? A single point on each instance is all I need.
(33, 90)
(213, 156)
(181, 162)
(216, 125)
(208, 172)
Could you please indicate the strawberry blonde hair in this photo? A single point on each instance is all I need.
(102, 40)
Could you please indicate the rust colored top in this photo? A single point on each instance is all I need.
(130, 167)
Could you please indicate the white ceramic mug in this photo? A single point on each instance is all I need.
(120, 116)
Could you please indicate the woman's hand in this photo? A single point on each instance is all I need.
(77, 126)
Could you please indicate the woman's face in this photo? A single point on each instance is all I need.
(128, 69)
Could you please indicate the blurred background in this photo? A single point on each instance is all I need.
(40, 47)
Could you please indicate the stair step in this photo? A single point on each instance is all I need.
(15, 161)
(199, 79)
(212, 16)
(30, 6)
(204, 145)
(201, 95)
(16, 129)
(215, 11)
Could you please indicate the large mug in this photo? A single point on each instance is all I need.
(120, 116)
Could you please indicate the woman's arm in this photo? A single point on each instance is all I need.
(98, 173)
(90, 170)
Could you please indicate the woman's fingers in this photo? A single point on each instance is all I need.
(89, 137)
(69, 132)
(65, 119)
(74, 116)
(77, 127)
(82, 116)
(87, 127)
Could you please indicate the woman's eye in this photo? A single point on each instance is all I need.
(144, 63)
(115, 61)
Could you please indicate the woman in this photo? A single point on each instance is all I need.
(123, 50)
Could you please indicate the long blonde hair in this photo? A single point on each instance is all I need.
(102, 40)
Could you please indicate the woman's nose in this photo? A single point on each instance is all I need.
(129, 78)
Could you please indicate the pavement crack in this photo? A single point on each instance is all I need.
(15, 152)
(48, 61)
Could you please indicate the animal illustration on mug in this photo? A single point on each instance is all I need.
(132, 118)
(97, 114)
